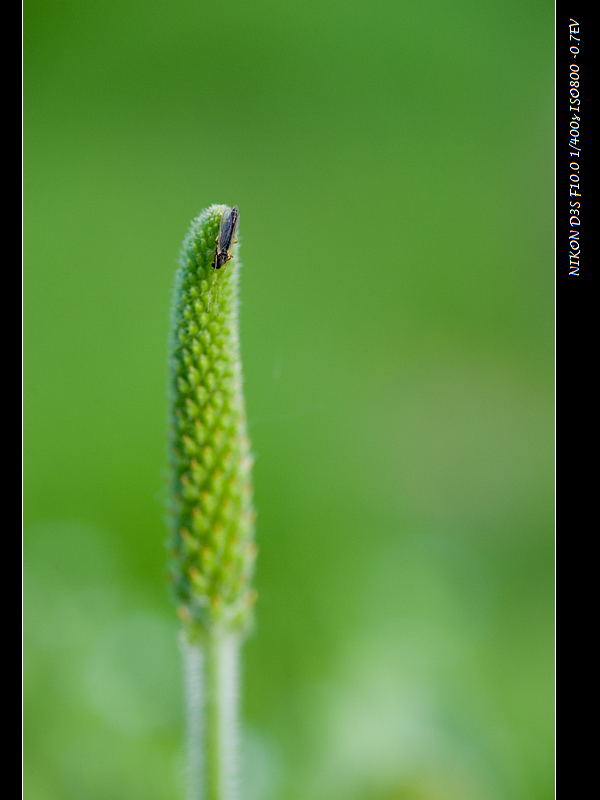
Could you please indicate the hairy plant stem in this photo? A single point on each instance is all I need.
(211, 677)
(211, 688)
(193, 672)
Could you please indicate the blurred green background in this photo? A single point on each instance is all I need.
(392, 162)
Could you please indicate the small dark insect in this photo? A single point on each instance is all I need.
(224, 241)
(227, 232)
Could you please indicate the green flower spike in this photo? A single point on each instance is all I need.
(211, 515)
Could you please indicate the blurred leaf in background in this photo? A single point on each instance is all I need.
(392, 163)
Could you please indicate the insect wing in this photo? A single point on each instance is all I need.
(228, 229)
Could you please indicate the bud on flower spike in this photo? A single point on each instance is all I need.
(211, 515)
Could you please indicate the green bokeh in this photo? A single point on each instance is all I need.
(392, 162)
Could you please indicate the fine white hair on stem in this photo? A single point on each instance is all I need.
(211, 670)
(223, 675)
(193, 671)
